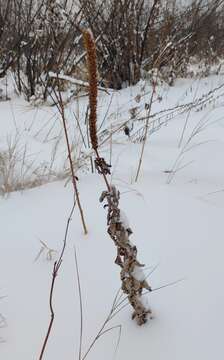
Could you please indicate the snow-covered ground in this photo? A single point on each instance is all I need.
(175, 211)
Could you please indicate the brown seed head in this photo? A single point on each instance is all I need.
(90, 47)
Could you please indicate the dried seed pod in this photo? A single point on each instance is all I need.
(90, 47)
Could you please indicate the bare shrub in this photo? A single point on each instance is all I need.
(37, 37)
(123, 28)
(44, 35)
(132, 34)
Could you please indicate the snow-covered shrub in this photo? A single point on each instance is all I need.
(132, 38)
(36, 38)
(122, 30)
(135, 36)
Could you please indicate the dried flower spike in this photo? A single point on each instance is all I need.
(90, 47)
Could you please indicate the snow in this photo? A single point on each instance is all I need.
(178, 226)
(72, 80)
(138, 273)
(124, 220)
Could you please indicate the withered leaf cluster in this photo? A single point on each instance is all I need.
(126, 256)
(101, 166)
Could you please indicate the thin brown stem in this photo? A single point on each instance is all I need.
(60, 106)
(74, 181)
(54, 274)
(145, 133)
(80, 305)
(56, 269)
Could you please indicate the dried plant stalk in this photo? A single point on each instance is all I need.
(146, 131)
(56, 269)
(132, 276)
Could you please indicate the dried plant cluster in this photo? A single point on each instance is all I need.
(132, 277)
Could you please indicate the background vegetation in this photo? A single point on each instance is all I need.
(133, 37)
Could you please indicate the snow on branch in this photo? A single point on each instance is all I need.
(74, 81)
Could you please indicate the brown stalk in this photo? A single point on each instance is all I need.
(60, 107)
(154, 83)
(56, 269)
(74, 179)
(146, 131)
(104, 329)
(54, 274)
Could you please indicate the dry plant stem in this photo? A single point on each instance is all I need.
(188, 115)
(80, 305)
(102, 330)
(56, 269)
(60, 107)
(74, 182)
(119, 233)
(54, 274)
(101, 333)
(96, 338)
(171, 112)
(199, 127)
(126, 302)
(145, 132)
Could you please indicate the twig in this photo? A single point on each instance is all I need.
(60, 107)
(80, 305)
(56, 269)
(102, 330)
(143, 294)
(146, 131)
(167, 285)
(54, 274)
(187, 117)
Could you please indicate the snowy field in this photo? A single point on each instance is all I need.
(175, 211)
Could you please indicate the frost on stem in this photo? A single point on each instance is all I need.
(132, 276)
